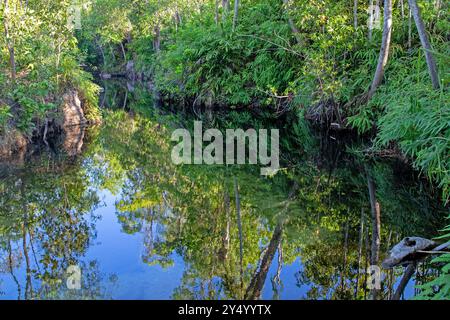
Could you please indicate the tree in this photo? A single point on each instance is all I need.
(432, 68)
(225, 9)
(236, 13)
(7, 11)
(216, 12)
(384, 51)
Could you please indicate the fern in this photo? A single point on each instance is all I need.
(439, 288)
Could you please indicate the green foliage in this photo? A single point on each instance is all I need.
(5, 115)
(83, 82)
(418, 119)
(362, 121)
(47, 62)
(281, 59)
(439, 288)
(234, 69)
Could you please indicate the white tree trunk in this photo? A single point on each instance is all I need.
(385, 46)
(157, 39)
(409, 29)
(225, 9)
(236, 14)
(402, 8)
(370, 19)
(9, 42)
(216, 12)
(432, 68)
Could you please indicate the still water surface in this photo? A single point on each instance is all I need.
(140, 227)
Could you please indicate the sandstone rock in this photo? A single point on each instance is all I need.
(72, 110)
(73, 124)
(13, 147)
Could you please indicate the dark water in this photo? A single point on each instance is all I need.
(139, 227)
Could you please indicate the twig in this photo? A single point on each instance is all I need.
(432, 252)
(274, 95)
(410, 270)
(45, 133)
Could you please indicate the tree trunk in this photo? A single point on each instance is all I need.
(432, 68)
(355, 14)
(360, 246)
(241, 239)
(409, 272)
(437, 6)
(216, 12)
(344, 262)
(402, 8)
(225, 9)
(124, 55)
(256, 285)
(366, 258)
(236, 13)
(9, 43)
(12, 63)
(157, 39)
(28, 284)
(370, 19)
(103, 55)
(177, 18)
(11, 269)
(223, 254)
(375, 209)
(384, 51)
(409, 29)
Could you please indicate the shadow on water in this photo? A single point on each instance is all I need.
(139, 227)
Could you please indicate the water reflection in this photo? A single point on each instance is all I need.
(141, 228)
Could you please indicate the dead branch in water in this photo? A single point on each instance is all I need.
(409, 272)
(410, 251)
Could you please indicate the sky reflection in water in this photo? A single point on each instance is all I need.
(141, 228)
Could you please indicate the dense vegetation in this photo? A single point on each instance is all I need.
(251, 61)
(307, 57)
(189, 211)
(39, 61)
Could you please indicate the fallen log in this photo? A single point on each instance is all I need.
(407, 251)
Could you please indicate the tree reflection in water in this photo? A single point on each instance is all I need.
(307, 217)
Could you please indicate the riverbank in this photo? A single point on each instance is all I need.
(305, 60)
(64, 129)
(362, 110)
